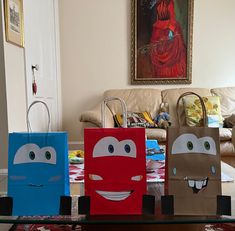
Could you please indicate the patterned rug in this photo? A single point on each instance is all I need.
(42, 227)
(37, 227)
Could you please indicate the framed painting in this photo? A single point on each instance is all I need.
(14, 22)
(161, 41)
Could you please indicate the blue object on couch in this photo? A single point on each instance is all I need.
(153, 150)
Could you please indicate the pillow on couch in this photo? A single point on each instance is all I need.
(193, 111)
(136, 119)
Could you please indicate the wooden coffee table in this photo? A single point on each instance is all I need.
(228, 188)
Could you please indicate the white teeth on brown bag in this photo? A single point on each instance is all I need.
(197, 185)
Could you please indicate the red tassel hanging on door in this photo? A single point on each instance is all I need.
(34, 87)
(34, 84)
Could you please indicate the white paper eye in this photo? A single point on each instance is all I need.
(185, 143)
(127, 148)
(47, 155)
(95, 177)
(110, 146)
(189, 143)
(32, 153)
(207, 145)
(106, 146)
(26, 154)
(137, 178)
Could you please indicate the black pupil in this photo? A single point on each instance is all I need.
(48, 155)
(127, 148)
(32, 155)
(111, 148)
(190, 145)
(207, 145)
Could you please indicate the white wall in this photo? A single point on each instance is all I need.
(3, 103)
(213, 43)
(14, 64)
(13, 94)
(15, 98)
(94, 54)
(15, 85)
(95, 51)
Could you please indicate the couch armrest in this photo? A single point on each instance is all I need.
(94, 116)
(233, 136)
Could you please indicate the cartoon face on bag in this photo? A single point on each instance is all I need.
(114, 171)
(194, 160)
(37, 177)
(35, 165)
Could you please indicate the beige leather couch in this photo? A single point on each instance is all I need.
(150, 99)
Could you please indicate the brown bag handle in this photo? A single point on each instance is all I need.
(204, 113)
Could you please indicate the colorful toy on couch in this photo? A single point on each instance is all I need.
(163, 118)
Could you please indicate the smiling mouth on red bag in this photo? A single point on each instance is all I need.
(115, 196)
(197, 185)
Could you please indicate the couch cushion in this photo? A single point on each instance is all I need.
(156, 134)
(171, 96)
(225, 134)
(193, 109)
(160, 134)
(227, 99)
(226, 148)
(136, 99)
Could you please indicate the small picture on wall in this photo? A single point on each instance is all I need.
(14, 22)
(161, 50)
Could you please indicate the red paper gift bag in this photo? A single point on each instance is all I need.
(115, 167)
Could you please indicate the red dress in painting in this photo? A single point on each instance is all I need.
(168, 52)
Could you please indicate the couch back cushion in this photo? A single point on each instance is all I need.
(137, 100)
(171, 96)
(227, 100)
(193, 110)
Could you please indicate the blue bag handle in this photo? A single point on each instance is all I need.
(48, 113)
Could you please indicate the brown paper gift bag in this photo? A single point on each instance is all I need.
(193, 172)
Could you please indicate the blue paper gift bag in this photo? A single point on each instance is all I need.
(37, 172)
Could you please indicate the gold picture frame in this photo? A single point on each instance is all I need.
(14, 25)
(155, 41)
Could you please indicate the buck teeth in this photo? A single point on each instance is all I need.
(191, 183)
(197, 184)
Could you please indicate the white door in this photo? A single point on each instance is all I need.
(40, 50)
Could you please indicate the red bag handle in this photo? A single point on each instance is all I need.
(124, 110)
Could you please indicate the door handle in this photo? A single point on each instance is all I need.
(35, 67)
